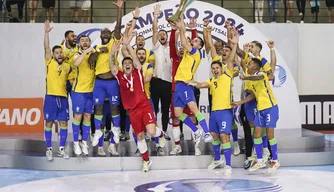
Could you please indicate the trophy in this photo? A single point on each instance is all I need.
(183, 5)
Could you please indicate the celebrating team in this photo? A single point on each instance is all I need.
(116, 72)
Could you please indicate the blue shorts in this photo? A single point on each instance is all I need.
(55, 108)
(183, 94)
(155, 117)
(106, 112)
(106, 89)
(250, 110)
(82, 103)
(267, 118)
(221, 121)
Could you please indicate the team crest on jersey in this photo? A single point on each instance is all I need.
(47, 116)
(96, 100)
(77, 109)
(64, 68)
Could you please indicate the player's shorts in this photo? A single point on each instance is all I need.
(82, 103)
(221, 121)
(76, 3)
(250, 110)
(315, 9)
(106, 89)
(141, 117)
(183, 94)
(267, 118)
(106, 112)
(86, 4)
(48, 4)
(55, 108)
(186, 110)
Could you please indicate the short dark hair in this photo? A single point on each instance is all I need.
(257, 62)
(139, 49)
(68, 32)
(162, 30)
(82, 36)
(219, 41)
(139, 36)
(217, 62)
(226, 46)
(202, 42)
(258, 44)
(126, 58)
(55, 47)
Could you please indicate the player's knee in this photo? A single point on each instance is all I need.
(225, 138)
(215, 137)
(270, 133)
(48, 124)
(141, 136)
(77, 117)
(114, 110)
(193, 107)
(87, 117)
(251, 123)
(178, 113)
(63, 123)
(257, 133)
(99, 110)
(151, 130)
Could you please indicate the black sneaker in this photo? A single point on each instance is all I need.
(167, 136)
(181, 136)
(106, 136)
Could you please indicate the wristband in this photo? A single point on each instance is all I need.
(205, 25)
(272, 49)
(135, 18)
(229, 27)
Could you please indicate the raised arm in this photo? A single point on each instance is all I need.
(273, 60)
(198, 85)
(234, 41)
(78, 58)
(155, 24)
(135, 14)
(118, 26)
(113, 67)
(47, 49)
(172, 44)
(210, 41)
(192, 26)
(229, 34)
(252, 77)
(205, 36)
(126, 42)
(180, 25)
(240, 53)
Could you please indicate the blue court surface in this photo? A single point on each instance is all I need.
(311, 178)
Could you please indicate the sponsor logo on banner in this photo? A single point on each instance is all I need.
(21, 115)
(317, 112)
(283, 83)
(197, 185)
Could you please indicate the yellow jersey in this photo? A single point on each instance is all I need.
(103, 60)
(219, 58)
(69, 58)
(56, 77)
(147, 69)
(84, 81)
(149, 55)
(221, 91)
(263, 93)
(188, 66)
(265, 64)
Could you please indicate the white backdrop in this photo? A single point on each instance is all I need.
(23, 70)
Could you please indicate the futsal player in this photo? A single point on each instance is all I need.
(254, 49)
(176, 56)
(82, 95)
(55, 102)
(267, 113)
(106, 85)
(221, 117)
(135, 100)
(140, 44)
(223, 58)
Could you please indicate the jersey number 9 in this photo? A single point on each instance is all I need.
(216, 84)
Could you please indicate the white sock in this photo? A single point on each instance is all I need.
(142, 146)
(157, 132)
(176, 132)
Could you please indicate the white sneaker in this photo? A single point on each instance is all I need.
(146, 165)
(274, 164)
(76, 148)
(301, 21)
(116, 131)
(80, 137)
(84, 147)
(197, 150)
(62, 153)
(49, 154)
(208, 138)
(215, 164)
(100, 152)
(197, 137)
(112, 149)
(257, 165)
(265, 155)
(160, 151)
(97, 135)
(236, 150)
(176, 150)
(227, 170)
(288, 21)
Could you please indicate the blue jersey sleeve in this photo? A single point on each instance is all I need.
(193, 51)
(149, 66)
(151, 52)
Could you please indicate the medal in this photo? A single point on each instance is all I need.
(129, 82)
(131, 89)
